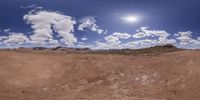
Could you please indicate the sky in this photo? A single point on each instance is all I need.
(99, 24)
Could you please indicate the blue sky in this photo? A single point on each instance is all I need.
(99, 24)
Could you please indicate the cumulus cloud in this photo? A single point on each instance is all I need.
(89, 23)
(107, 45)
(185, 38)
(145, 38)
(85, 46)
(131, 44)
(146, 42)
(116, 37)
(139, 35)
(140, 43)
(162, 35)
(112, 41)
(164, 40)
(122, 35)
(145, 32)
(46, 23)
(49, 29)
(14, 39)
(2, 38)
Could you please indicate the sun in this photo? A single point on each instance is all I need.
(130, 19)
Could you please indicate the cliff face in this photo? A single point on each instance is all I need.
(76, 76)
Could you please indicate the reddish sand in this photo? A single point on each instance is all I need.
(74, 76)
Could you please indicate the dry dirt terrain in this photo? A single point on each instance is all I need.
(45, 75)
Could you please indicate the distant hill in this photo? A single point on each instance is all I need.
(158, 49)
(151, 50)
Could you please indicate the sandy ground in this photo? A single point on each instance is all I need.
(61, 76)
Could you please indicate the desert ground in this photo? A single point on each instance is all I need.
(53, 75)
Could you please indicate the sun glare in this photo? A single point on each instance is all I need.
(130, 19)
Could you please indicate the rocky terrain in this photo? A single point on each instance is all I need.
(157, 73)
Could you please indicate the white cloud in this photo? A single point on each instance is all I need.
(107, 45)
(111, 42)
(162, 35)
(14, 38)
(150, 38)
(195, 42)
(112, 39)
(6, 30)
(139, 35)
(164, 40)
(115, 37)
(53, 42)
(145, 43)
(2, 38)
(89, 23)
(145, 32)
(84, 38)
(185, 38)
(131, 45)
(46, 23)
(198, 38)
(140, 43)
(122, 35)
(82, 45)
